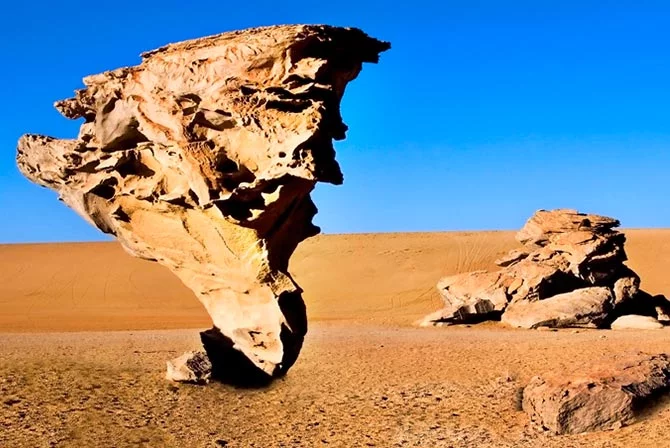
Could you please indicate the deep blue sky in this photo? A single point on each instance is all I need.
(481, 113)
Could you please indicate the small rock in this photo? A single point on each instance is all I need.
(191, 367)
(636, 322)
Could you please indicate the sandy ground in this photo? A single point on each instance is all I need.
(354, 386)
(366, 377)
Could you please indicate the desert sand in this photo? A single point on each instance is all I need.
(366, 377)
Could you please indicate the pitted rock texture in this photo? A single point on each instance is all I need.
(203, 158)
(191, 367)
(569, 273)
(605, 395)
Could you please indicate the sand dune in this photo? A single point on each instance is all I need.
(378, 278)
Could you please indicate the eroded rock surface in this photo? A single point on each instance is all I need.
(585, 307)
(569, 273)
(203, 157)
(606, 395)
(191, 367)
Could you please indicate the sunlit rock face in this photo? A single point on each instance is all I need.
(202, 158)
(570, 272)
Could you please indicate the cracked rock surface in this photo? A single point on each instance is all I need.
(202, 158)
(570, 272)
(605, 395)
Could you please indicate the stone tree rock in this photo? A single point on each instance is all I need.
(202, 158)
(570, 272)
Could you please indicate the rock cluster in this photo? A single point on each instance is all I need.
(569, 273)
(202, 158)
(604, 395)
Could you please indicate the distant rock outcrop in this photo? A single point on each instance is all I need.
(570, 273)
(203, 157)
(604, 395)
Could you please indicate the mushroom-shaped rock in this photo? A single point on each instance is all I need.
(203, 157)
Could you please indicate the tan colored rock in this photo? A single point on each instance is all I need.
(585, 307)
(589, 243)
(544, 225)
(597, 397)
(203, 158)
(636, 322)
(512, 257)
(191, 367)
(564, 251)
(469, 297)
(625, 288)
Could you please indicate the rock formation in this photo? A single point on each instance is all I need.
(202, 158)
(570, 273)
(605, 395)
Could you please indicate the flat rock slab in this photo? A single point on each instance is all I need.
(604, 396)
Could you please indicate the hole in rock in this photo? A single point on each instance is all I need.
(239, 210)
(559, 283)
(293, 106)
(105, 191)
(226, 166)
(132, 166)
(121, 215)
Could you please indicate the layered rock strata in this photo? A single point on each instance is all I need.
(570, 272)
(603, 395)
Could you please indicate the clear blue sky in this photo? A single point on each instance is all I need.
(481, 113)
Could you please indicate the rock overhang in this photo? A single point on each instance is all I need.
(203, 157)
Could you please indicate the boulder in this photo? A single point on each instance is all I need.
(203, 158)
(545, 225)
(600, 396)
(470, 297)
(191, 367)
(636, 322)
(586, 307)
(549, 281)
